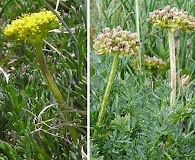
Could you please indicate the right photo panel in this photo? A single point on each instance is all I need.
(142, 80)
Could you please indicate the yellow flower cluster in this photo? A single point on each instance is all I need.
(32, 27)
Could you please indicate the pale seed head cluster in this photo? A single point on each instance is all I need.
(117, 41)
(32, 26)
(172, 18)
(154, 63)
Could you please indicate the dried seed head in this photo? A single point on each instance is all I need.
(153, 63)
(172, 18)
(117, 41)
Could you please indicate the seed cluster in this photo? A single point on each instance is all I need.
(117, 41)
(172, 18)
(153, 63)
(29, 26)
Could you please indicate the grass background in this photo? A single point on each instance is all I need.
(139, 123)
(32, 126)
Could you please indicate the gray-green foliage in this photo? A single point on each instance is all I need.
(32, 127)
(144, 126)
(139, 123)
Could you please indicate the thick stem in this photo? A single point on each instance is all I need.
(107, 92)
(54, 89)
(47, 76)
(172, 66)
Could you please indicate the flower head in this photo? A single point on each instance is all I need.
(172, 18)
(32, 27)
(153, 63)
(116, 41)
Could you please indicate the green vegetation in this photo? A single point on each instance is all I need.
(139, 122)
(36, 123)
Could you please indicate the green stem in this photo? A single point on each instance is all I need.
(46, 74)
(137, 18)
(138, 33)
(54, 89)
(107, 92)
(172, 66)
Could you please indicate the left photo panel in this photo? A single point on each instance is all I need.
(43, 79)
